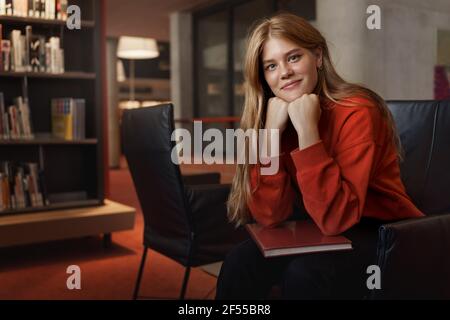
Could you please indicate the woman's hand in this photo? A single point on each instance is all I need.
(305, 113)
(277, 118)
(277, 114)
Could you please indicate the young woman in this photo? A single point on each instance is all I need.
(338, 166)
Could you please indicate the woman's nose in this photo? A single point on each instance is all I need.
(286, 71)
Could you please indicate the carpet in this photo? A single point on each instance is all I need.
(38, 272)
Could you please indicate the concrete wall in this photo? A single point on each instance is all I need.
(398, 60)
(181, 60)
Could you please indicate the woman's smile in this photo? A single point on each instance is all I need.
(291, 85)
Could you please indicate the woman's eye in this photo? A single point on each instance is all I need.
(294, 58)
(270, 67)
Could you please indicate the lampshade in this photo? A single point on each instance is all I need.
(137, 48)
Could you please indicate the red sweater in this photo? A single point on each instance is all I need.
(352, 172)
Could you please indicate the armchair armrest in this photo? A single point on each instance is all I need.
(214, 235)
(414, 258)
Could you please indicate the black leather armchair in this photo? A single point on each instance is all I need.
(414, 254)
(187, 223)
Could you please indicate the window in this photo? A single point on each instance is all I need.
(220, 34)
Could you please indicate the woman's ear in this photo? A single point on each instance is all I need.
(319, 60)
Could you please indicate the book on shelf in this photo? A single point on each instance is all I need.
(37, 53)
(19, 8)
(44, 9)
(295, 237)
(68, 118)
(8, 7)
(15, 121)
(30, 52)
(61, 9)
(21, 186)
(5, 55)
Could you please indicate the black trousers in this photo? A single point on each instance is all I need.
(246, 274)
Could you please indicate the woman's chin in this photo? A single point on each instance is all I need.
(292, 97)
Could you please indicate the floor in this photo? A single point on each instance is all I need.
(39, 271)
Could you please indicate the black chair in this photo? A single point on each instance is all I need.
(186, 223)
(414, 254)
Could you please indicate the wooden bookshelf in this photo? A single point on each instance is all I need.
(65, 224)
(74, 75)
(73, 171)
(52, 207)
(40, 21)
(47, 140)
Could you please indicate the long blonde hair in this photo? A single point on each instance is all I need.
(257, 92)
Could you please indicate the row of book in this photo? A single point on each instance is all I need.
(30, 52)
(21, 186)
(15, 120)
(44, 9)
(68, 118)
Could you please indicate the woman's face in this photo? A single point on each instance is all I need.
(290, 70)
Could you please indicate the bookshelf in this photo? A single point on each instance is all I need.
(72, 170)
(13, 20)
(28, 228)
(48, 139)
(43, 75)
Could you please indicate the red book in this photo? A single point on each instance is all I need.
(295, 237)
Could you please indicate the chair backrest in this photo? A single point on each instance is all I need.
(424, 130)
(146, 137)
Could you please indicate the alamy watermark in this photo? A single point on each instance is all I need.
(257, 140)
(74, 280)
(373, 22)
(374, 280)
(73, 17)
